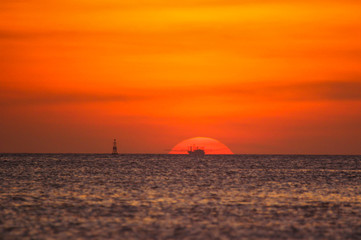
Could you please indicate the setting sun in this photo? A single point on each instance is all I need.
(209, 145)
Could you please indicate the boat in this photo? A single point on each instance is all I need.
(196, 152)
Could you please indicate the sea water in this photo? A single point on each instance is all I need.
(69, 196)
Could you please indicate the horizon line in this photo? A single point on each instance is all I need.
(106, 153)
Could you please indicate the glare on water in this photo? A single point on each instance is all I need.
(175, 196)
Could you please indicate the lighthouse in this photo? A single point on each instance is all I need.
(115, 151)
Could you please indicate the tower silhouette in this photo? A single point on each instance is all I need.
(115, 151)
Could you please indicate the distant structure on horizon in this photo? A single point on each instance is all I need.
(115, 150)
(196, 151)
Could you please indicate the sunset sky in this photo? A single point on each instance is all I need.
(264, 76)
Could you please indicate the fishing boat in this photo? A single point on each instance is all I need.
(196, 151)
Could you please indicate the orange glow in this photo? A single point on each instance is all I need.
(209, 145)
(264, 76)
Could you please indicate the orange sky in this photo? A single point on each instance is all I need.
(264, 76)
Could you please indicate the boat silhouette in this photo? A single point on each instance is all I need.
(196, 151)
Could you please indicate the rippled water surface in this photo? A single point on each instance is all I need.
(63, 196)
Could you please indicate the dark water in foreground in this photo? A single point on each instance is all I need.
(63, 196)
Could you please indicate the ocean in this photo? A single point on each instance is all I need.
(148, 196)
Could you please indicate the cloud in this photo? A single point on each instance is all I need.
(347, 90)
(10, 35)
(316, 91)
(22, 97)
(333, 90)
(39, 34)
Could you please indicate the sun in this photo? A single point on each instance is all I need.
(210, 145)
